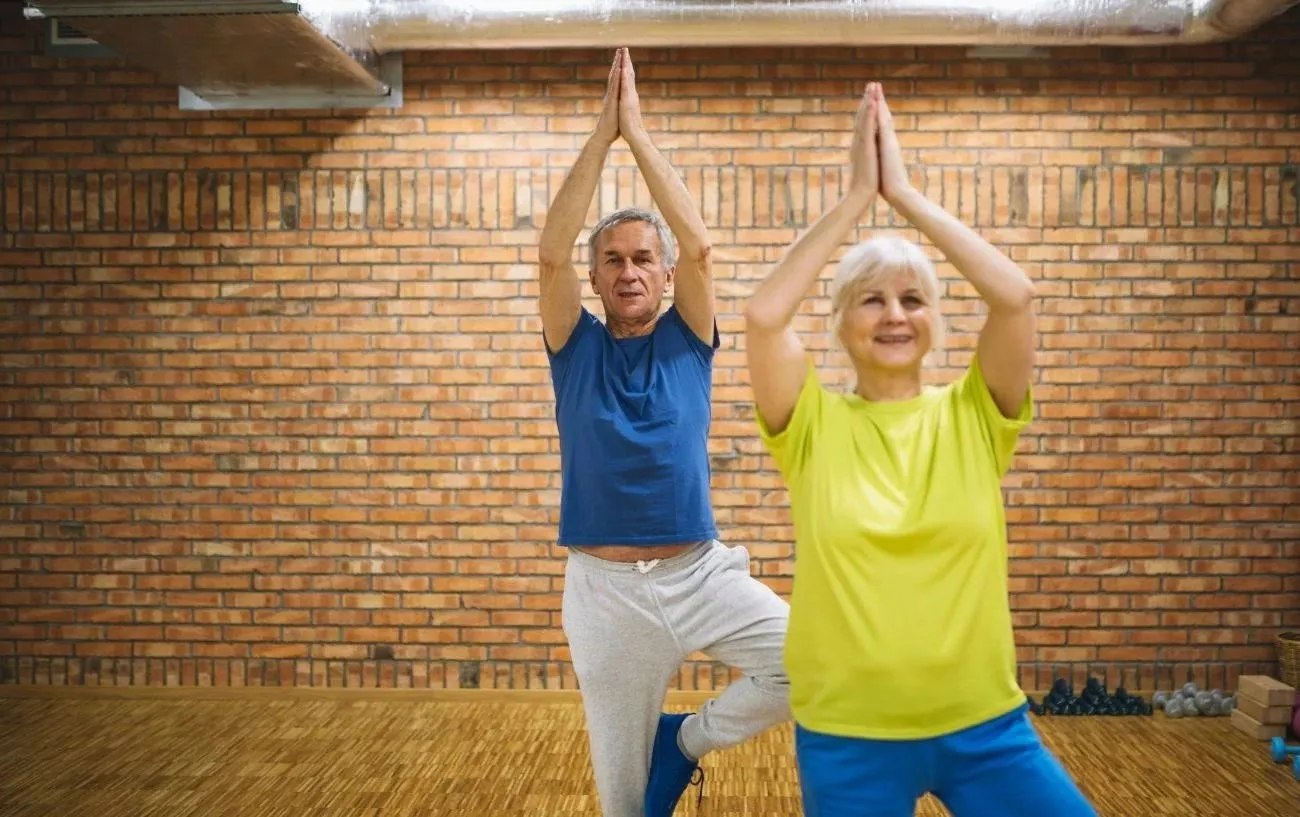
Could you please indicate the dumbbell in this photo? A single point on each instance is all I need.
(1280, 751)
(1174, 707)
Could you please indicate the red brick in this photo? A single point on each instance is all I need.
(285, 371)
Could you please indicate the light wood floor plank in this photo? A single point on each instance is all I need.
(265, 755)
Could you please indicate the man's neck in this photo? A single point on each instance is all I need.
(631, 329)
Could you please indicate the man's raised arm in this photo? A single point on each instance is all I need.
(561, 291)
(693, 279)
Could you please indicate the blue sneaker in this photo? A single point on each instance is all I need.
(671, 771)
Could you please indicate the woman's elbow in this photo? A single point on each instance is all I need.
(763, 317)
(757, 320)
(1017, 298)
(1028, 293)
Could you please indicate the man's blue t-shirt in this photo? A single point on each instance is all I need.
(633, 417)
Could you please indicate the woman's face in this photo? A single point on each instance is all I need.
(888, 326)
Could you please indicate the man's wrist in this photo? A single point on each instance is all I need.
(636, 136)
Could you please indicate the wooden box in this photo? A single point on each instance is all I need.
(1258, 712)
(1255, 729)
(1265, 690)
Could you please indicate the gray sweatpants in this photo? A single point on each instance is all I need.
(630, 627)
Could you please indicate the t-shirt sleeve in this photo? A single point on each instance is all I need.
(791, 447)
(1001, 433)
(703, 350)
(562, 358)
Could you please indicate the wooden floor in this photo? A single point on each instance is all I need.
(292, 754)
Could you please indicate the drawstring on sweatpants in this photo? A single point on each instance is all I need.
(644, 566)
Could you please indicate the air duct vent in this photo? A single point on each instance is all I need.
(227, 53)
(67, 41)
(61, 33)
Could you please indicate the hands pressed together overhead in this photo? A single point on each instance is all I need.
(876, 160)
(875, 156)
(621, 114)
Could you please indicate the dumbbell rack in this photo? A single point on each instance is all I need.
(1192, 701)
(1094, 700)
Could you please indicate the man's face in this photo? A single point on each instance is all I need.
(629, 273)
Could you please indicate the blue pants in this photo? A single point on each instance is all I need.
(999, 768)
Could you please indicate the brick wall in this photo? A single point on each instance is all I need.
(274, 408)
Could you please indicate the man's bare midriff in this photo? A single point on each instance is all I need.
(626, 553)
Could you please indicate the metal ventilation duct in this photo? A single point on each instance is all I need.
(402, 25)
(225, 48)
(328, 51)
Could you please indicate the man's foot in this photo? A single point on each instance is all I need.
(671, 771)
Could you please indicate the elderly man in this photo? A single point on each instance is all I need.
(647, 582)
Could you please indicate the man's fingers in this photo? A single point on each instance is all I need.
(886, 118)
(614, 72)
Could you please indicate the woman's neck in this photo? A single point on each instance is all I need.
(888, 386)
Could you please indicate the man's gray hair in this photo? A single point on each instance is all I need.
(667, 245)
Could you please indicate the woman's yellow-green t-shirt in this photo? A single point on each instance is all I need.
(900, 625)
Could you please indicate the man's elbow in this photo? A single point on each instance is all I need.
(554, 262)
(700, 253)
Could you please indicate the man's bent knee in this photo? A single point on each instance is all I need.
(777, 686)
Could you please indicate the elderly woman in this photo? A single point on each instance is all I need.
(900, 650)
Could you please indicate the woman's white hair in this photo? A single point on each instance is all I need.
(869, 265)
